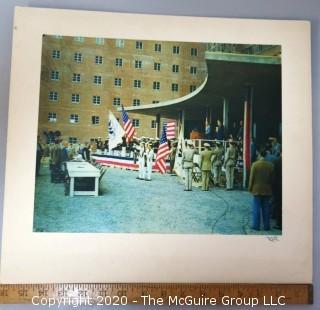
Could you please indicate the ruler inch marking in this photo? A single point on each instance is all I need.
(23, 293)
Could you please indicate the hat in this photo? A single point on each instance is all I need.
(206, 144)
(189, 142)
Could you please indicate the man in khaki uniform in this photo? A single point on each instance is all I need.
(187, 165)
(229, 164)
(205, 165)
(217, 163)
(55, 156)
(260, 186)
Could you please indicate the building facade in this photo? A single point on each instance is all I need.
(82, 79)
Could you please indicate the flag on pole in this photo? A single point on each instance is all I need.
(115, 130)
(128, 127)
(178, 160)
(163, 151)
(171, 128)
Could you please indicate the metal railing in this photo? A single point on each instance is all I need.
(254, 49)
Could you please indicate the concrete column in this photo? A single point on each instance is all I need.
(226, 114)
(180, 124)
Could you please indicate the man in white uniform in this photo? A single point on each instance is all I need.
(141, 162)
(149, 157)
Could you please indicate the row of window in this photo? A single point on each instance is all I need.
(95, 120)
(97, 80)
(119, 62)
(138, 44)
(74, 118)
(75, 98)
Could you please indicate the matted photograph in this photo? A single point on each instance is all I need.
(149, 136)
(157, 145)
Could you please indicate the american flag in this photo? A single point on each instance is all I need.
(163, 151)
(171, 128)
(128, 127)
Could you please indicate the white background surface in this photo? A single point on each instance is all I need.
(284, 9)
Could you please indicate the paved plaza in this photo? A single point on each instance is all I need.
(128, 205)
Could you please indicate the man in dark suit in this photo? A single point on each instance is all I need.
(260, 186)
(277, 191)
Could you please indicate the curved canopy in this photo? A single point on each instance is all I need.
(228, 76)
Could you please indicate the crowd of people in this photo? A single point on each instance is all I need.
(215, 157)
(219, 132)
(265, 181)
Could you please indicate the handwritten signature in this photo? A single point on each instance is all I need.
(273, 238)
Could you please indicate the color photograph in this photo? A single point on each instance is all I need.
(161, 137)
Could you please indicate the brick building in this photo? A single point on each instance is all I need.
(83, 78)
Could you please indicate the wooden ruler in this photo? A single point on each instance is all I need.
(156, 294)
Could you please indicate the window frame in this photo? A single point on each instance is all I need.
(136, 123)
(117, 82)
(56, 76)
(99, 41)
(56, 54)
(174, 87)
(96, 118)
(176, 49)
(139, 45)
(78, 78)
(137, 84)
(156, 85)
(175, 68)
(119, 43)
(153, 124)
(138, 64)
(194, 51)
(53, 96)
(75, 98)
(116, 101)
(157, 47)
(119, 62)
(53, 117)
(98, 59)
(78, 39)
(157, 66)
(136, 102)
(97, 79)
(193, 70)
(78, 57)
(74, 118)
(95, 100)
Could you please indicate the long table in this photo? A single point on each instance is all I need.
(83, 170)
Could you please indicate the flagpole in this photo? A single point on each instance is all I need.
(247, 135)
